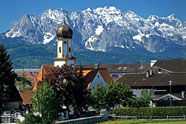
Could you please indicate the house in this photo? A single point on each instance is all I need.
(26, 96)
(94, 75)
(117, 70)
(166, 80)
(14, 102)
(170, 66)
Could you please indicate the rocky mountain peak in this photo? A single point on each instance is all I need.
(103, 29)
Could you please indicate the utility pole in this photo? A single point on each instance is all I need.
(170, 84)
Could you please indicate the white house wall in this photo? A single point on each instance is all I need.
(98, 80)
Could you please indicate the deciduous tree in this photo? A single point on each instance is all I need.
(46, 104)
(142, 101)
(110, 95)
(70, 87)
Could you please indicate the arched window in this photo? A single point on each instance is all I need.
(69, 49)
(59, 49)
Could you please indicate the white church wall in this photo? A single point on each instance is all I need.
(59, 63)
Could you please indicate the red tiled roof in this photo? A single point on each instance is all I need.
(45, 70)
(26, 96)
(102, 69)
(90, 77)
(30, 76)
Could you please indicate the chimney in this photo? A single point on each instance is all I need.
(96, 66)
(147, 74)
(183, 94)
(152, 62)
(150, 73)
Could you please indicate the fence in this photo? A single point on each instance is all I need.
(147, 117)
(5, 119)
(87, 120)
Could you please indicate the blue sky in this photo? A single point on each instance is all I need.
(12, 10)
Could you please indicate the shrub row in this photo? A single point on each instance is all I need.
(149, 111)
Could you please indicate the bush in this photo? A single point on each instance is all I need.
(32, 119)
(149, 111)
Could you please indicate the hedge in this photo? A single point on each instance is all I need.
(150, 111)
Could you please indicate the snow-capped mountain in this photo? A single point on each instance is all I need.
(102, 29)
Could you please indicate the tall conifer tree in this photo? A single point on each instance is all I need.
(7, 78)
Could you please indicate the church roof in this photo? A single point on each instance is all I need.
(45, 70)
(64, 31)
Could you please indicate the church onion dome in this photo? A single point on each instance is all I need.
(64, 31)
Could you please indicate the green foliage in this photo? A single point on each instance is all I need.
(150, 111)
(46, 104)
(32, 119)
(110, 95)
(98, 96)
(26, 86)
(7, 78)
(70, 87)
(23, 83)
(142, 101)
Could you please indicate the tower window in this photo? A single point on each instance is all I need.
(59, 49)
(69, 49)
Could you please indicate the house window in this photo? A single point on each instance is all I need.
(59, 49)
(115, 75)
(98, 76)
(159, 70)
(65, 42)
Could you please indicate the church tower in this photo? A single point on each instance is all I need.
(64, 46)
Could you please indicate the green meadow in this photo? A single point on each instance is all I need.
(146, 122)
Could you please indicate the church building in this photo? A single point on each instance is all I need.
(94, 75)
(64, 46)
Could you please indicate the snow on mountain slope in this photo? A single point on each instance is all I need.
(102, 29)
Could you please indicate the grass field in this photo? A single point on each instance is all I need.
(146, 122)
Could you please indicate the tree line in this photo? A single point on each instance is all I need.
(65, 89)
